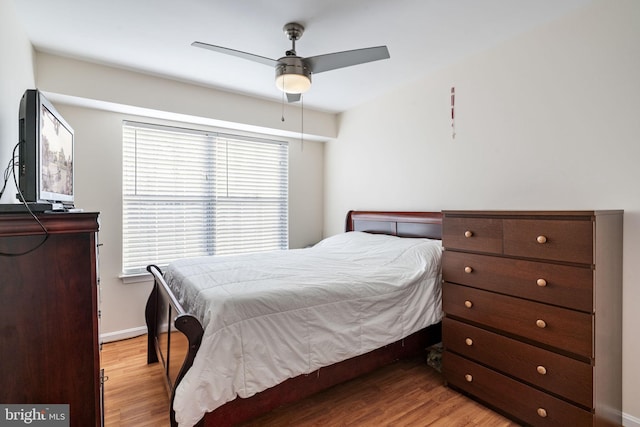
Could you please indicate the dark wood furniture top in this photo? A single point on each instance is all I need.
(48, 313)
(162, 306)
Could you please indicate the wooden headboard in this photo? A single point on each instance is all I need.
(402, 224)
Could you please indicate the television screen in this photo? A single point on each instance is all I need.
(56, 155)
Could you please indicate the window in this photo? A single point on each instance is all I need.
(191, 193)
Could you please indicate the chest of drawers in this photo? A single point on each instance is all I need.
(49, 350)
(533, 313)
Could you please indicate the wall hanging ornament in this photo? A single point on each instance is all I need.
(453, 113)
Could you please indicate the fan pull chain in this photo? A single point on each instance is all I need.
(301, 122)
(282, 106)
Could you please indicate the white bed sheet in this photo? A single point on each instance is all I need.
(272, 316)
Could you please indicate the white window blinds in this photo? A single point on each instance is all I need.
(189, 193)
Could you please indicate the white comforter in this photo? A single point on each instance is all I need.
(272, 316)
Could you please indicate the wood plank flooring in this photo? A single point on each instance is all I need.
(407, 393)
(135, 393)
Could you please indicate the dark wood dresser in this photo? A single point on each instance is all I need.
(49, 351)
(533, 313)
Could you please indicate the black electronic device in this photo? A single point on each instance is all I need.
(22, 207)
(45, 153)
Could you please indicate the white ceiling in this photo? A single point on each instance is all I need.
(155, 36)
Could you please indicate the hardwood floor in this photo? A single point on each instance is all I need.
(134, 394)
(407, 393)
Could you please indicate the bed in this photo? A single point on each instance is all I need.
(229, 349)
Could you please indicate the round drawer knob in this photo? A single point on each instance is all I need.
(542, 412)
(541, 370)
(541, 282)
(541, 239)
(541, 323)
(468, 304)
(468, 233)
(468, 377)
(468, 341)
(468, 269)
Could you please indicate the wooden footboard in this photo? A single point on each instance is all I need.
(164, 314)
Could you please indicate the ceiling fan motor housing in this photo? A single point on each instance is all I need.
(293, 75)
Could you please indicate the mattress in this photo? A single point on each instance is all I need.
(272, 316)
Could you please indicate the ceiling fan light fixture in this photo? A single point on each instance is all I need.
(293, 83)
(292, 75)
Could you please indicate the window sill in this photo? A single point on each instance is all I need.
(128, 279)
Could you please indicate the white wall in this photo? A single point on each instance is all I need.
(545, 121)
(92, 82)
(16, 75)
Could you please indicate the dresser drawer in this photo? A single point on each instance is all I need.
(561, 285)
(473, 234)
(558, 374)
(562, 328)
(525, 403)
(569, 241)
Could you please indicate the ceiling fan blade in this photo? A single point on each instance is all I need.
(293, 97)
(332, 61)
(238, 53)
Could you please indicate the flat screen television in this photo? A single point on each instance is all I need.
(45, 152)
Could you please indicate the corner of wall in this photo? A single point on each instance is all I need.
(16, 75)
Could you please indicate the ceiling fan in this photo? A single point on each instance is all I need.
(293, 73)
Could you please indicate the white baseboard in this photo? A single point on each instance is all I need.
(630, 420)
(123, 335)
